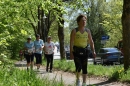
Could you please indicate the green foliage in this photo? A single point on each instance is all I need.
(11, 76)
(15, 77)
(112, 22)
(13, 27)
(17, 17)
(63, 65)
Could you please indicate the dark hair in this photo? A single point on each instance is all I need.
(80, 17)
(37, 35)
(28, 38)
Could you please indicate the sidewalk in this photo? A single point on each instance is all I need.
(69, 78)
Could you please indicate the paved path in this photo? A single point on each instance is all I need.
(68, 78)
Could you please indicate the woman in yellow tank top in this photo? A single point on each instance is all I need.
(80, 37)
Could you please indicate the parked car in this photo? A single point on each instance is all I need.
(67, 54)
(108, 55)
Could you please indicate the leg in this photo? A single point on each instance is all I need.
(78, 66)
(47, 65)
(20, 57)
(40, 60)
(78, 69)
(84, 70)
(28, 61)
(32, 59)
(37, 60)
(84, 77)
(51, 62)
(36, 56)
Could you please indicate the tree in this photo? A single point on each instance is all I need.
(13, 28)
(126, 33)
(112, 21)
(95, 18)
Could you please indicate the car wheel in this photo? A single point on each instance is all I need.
(121, 60)
(102, 61)
(94, 62)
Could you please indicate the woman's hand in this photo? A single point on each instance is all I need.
(46, 52)
(94, 54)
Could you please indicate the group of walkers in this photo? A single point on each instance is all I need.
(36, 49)
(79, 39)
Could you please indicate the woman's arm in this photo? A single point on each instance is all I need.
(42, 44)
(44, 49)
(53, 47)
(91, 43)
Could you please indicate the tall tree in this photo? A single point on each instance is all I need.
(112, 21)
(61, 37)
(13, 27)
(95, 17)
(126, 33)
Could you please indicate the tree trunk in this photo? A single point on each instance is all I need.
(43, 24)
(61, 37)
(39, 25)
(126, 33)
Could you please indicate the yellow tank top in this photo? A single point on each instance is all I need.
(81, 40)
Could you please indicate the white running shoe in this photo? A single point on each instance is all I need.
(77, 82)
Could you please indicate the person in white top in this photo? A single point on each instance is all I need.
(49, 53)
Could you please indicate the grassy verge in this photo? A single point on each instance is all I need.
(12, 76)
(15, 77)
(114, 72)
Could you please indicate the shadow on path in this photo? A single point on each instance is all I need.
(105, 83)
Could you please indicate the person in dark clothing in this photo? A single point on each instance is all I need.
(79, 39)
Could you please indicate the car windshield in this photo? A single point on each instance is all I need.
(111, 50)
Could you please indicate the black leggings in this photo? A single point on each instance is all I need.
(29, 58)
(38, 58)
(81, 63)
(49, 58)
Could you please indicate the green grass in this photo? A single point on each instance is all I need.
(11, 76)
(114, 72)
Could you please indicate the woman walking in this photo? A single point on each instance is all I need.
(38, 43)
(79, 39)
(49, 53)
(29, 52)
